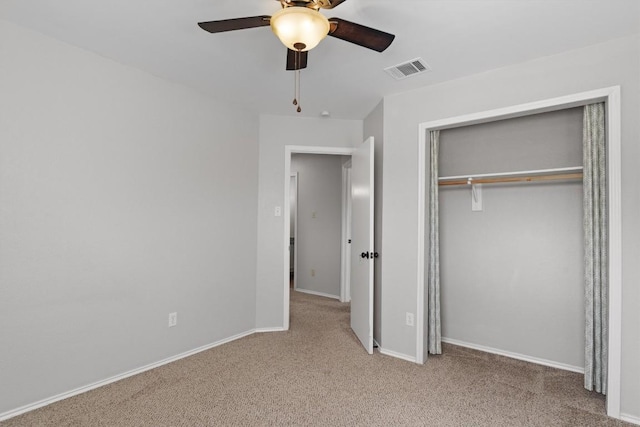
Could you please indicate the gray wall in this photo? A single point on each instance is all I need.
(275, 133)
(512, 274)
(613, 63)
(116, 208)
(374, 126)
(319, 222)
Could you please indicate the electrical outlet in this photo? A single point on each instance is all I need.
(409, 319)
(313, 273)
(173, 319)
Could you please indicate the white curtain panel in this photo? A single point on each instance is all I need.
(433, 281)
(596, 241)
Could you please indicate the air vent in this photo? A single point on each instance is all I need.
(407, 69)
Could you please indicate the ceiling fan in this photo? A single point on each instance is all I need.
(300, 27)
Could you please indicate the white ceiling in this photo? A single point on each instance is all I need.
(455, 37)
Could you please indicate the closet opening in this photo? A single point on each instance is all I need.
(511, 240)
(543, 182)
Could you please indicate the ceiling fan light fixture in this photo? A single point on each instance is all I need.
(300, 28)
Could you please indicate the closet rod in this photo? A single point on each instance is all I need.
(523, 178)
(574, 172)
(528, 172)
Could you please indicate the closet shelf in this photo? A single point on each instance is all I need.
(556, 174)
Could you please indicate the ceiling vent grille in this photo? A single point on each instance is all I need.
(407, 69)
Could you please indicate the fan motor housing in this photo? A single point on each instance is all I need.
(301, 3)
(312, 4)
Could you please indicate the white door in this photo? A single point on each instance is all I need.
(362, 252)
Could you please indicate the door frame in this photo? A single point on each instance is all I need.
(345, 273)
(295, 232)
(611, 97)
(288, 151)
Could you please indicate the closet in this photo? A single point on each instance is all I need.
(512, 246)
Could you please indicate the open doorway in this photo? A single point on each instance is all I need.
(319, 224)
(361, 243)
(289, 152)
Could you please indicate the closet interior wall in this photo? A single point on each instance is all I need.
(512, 274)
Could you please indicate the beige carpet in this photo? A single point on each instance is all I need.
(318, 374)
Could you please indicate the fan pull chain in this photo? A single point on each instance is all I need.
(295, 77)
(296, 81)
(295, 85)
(299, 109)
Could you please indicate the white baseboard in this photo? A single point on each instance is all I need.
(518, 356)
(630, 419)
(44, 402)
(397, 355)
(320, 294)
(274, 329)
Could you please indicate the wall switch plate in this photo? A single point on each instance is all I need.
(409, 319)
(173, 319)
(277, 211)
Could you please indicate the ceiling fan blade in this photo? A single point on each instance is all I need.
(360, 35)
(291, 60)
(329, 4)
(235, 24)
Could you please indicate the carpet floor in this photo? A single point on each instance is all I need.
(318, 374)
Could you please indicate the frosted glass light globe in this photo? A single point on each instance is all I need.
(300, 28)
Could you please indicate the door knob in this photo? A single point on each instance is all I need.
(364, 254)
